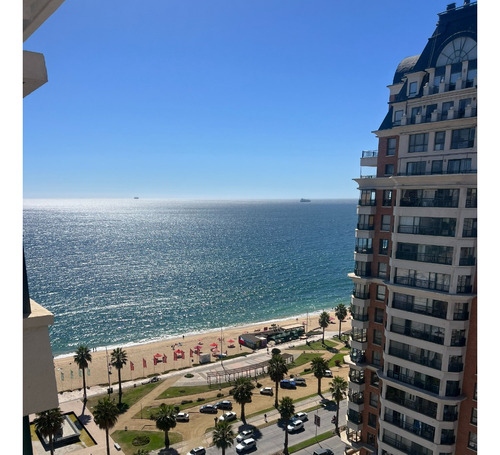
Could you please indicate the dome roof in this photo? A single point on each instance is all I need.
(405, 66)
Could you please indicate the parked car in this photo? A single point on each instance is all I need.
(228, 416)
(300, 416)
(287, 384)
(245, 434)
(300, 381)
(295, 425)
(208, 409)
(267, 391)
(182, 417)
(323, 452)
(153, 379)
(328, 374)
(246, 445)
(197, 451)
(225, 404)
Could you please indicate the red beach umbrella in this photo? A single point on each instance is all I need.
(230, 341)
(214, 344)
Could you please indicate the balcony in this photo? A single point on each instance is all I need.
(424, 284)
(428, 202)
(437, 337)
(431, 385)
(420, 405)
(369, 158)
(455, 367)
(417, 428)
(418, 309)
(365, 227)
(427, 230)
(405, 446)
(360, 317)
(424, 257)
(442, 172)
(419, 359)
(468, 261)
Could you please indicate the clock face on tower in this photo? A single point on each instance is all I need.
(458, 50)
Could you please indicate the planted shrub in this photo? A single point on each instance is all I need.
(140, 440)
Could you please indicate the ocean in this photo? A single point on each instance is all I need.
(118, 272)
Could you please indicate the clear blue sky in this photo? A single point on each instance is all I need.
(214, 99)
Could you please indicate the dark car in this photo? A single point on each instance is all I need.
(225, 404)
(323, 452)
(208, 409)
(287, 384)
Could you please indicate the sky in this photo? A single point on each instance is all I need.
(219, 99)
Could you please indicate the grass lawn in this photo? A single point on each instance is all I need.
(156, 440)
(310, 442)
(130, 395)
(174, 392)
(304, 358)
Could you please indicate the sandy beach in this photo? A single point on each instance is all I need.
(178, 352)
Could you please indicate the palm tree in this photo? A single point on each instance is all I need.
(223, 436)
(165, 420)
(105, 416)
(286, 410)
(82, 358)
(319, 366)
(338, 387)
(119, 360)
(49, 423)
(242, 394)
(277, 370)
(324, 320)
(341, 314)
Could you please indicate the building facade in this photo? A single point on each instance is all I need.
(413, 361)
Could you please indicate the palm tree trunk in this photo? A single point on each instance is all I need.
(340, 326)
(107, 441)
(276, 398)
(167, 440)
(324, 328)
(84, 386)
(337, 419)
(51, 442)
(319, 386)
(119, 386)
(285, 449)
(243, 413)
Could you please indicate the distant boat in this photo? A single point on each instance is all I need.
(305, 200)
(136, 197)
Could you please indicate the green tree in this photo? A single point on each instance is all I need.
(338, 387)
(82, 358)
(341, 314)
(165, 420)
(277, 370)
(223, 436)
(48, 424)
(324, 321)
(319, 366)
(141, 452)
(105, 416)
(286, 410)
(119, 360)
(242, 394)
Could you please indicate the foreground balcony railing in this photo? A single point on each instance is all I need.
(420, 405)
(415, 333)
(418, 283)
(423, 230)
(442, 172)
(435, 363)
(406, 446)
(430, 386)
(424, 257)
(418, 428)
(428, 202)
(419, 309)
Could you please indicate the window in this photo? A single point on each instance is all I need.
(398, 115)
(462, 105)
(364, 246)
(365, 222)
(473, 418)
(437, 167)
(472, 441)
(380, 292)
(418, 142)
(414, 112)
(387, 198)
(471, 73)
(391, 146)
(464, 138)
(374, 379)
(386, 223)
(413, 89)
(379, 316)
(459, 166)
(377, 339)
(471, 200)
(439, 140)
(367, 197)
(382, 270)
(445, 110)
(389, 169)
(383, 247)
(415, 168)
(429, 110)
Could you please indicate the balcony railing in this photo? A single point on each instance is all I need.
(404, 354)
(424, 284)
(429, 386)
(354, 417)
(420, 405)
(420, 334)
(361, 294)
(425, 230)
(424, 257)
(365, 227)
(360, 317)
(467, 261)
(406, 446)
(460, 315)
(363, 249)
(442, 172)
(419, 309)
(369, 153)
(455, 367)
(428, 202)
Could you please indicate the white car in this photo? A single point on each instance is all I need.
(245, 434)
(300, 416)
(197, 451)
(295, 425)
(246, 445)
(228, 416)
(328, 374)
(266, 391)
(182, 417)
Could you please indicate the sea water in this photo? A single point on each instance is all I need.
(117, 272)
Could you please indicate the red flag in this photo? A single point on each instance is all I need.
(190, 353)
(175, 356)
(131, 366)
(182, 354)
(144, 364)
(164, 358)
(155, 360)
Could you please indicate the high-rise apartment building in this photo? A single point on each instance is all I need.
(413, 369)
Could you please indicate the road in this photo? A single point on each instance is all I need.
(270, 439)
